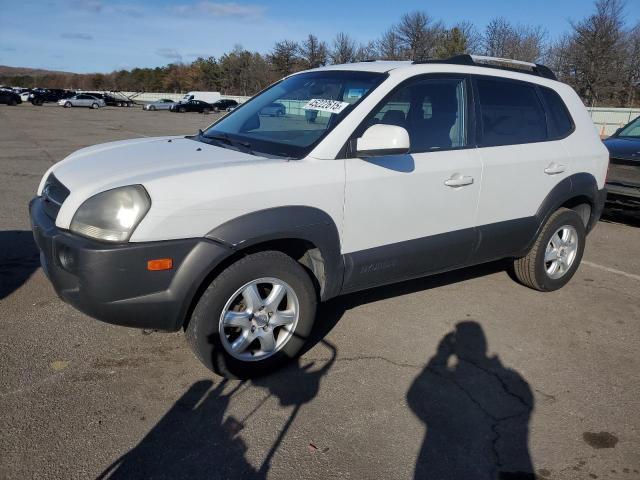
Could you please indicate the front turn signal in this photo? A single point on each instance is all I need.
(160, 264)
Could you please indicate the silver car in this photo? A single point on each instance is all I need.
(162, 104)
(82, 100)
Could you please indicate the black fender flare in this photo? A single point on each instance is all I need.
(577, 186)
(294, 222)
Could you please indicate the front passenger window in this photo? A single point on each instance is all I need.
(431, 110)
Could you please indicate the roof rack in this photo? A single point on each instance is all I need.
(499, 63)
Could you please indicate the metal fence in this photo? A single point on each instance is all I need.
(608, 120)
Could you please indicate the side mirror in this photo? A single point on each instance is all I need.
(381, 139)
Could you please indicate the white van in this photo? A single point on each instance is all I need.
(208, 97)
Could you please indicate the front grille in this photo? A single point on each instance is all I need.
(54, 194)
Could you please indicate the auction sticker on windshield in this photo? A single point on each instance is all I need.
(324, 105)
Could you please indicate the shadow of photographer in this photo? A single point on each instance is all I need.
(476, 412)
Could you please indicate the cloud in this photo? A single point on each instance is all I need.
(77, 36)
(93, 6)
(219, 9)
(170, 53)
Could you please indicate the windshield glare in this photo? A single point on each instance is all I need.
(631, 130)
(292, 116)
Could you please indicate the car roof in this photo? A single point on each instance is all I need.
(380, 66)
(459, 63)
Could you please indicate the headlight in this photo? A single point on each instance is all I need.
(112, 215)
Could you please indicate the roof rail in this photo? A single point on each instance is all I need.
(499, 63)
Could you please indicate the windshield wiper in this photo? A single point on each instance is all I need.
(223, 137)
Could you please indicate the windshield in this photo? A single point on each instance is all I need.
(631, 130)
(291, 117)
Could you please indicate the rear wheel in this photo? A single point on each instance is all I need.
(152, 107)
(254, 316)
(556, 253)
(206, 111)
(182, 109)
(95, 105)
(68, 104)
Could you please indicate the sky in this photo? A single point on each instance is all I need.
(101, 35)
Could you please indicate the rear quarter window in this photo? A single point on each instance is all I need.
(557, 113)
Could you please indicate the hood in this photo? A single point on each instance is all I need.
(625, 148)
(102, 167)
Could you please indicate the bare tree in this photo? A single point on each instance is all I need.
(598, 52)
(389, 45)
(313, 52)
(344, 49)
(520, 42)
(366, 51)
(419, 35)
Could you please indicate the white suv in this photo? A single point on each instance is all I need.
(374, 173)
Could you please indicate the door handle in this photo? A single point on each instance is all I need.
(554, 168)
(457, 180)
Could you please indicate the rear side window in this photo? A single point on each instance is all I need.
(511, 113)
(557, 112)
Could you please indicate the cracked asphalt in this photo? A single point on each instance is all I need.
(465, 375)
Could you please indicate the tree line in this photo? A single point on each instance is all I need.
(598, 55)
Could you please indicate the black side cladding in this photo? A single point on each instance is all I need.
(295, 222)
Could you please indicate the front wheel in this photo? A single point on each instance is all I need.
(556, 253)
(95, 105)
(254, 316)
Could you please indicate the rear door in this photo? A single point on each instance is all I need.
(407, 215)
(522, 162)
(83, 101)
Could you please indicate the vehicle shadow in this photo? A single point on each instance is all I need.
(330, 312)
(616, 215)
(198, 438)
(476, 412)
(19, 258)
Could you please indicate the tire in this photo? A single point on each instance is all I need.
(95, 106)
(537, 272)
(152, 108)
(216, 110)
(206, 111)
(68, 105)
(182, 110)
(211, 343)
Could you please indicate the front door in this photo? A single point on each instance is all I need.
(408, 215)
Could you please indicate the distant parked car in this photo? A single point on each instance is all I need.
(112, 100)
(24, 96)
(623, 178)
(224, 105)
(275, 109)
(38, 96)
(9, 97)
(162, 104)
(82, 100)
(191, 106)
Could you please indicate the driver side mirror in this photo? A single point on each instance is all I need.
(381, 139)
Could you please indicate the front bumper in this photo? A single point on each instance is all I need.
(110, 282)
